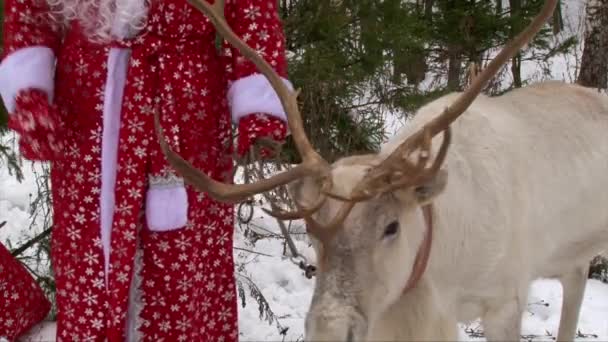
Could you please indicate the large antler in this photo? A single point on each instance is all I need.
(312, 162)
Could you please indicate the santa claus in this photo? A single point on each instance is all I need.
(137, 254)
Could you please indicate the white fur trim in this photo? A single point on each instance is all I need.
(166, 208)
(129, 14)
(117, 70)
(254, 94)
(30, 67)
(136, 304)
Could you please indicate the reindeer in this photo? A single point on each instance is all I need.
(409, 244)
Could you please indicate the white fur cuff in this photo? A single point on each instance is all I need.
(166, 208)
(254, 94)
(30, 67)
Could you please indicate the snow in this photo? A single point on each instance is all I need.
(15, 202)
(541, 321)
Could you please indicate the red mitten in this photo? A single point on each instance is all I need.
(22, 301)
(255, 126)
(37, 122)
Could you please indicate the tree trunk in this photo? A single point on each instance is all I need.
(515, 6)
(454, 66)
(516, 70)
(594, 63)
(428, 10)
(558, 20)
(498, 7)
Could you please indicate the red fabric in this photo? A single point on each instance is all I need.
(257, 22)
(38, 125)
(21, 29)
(187, 275)
(255, 126)
(22, 301)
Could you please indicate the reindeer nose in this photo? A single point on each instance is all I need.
(357, 329)
(350, 336)
(350, 326)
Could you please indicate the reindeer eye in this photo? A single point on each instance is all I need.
(391, 229)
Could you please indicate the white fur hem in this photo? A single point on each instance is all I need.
(136, 304)
(166, 208)
(30, 67)
(254, 94)
(118, 61)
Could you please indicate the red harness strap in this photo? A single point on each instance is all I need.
(424, 251)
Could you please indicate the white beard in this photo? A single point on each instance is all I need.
(103, 20)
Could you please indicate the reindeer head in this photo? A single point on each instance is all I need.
(366, 261)
(362, 212)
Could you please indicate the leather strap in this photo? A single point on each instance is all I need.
(424, 251)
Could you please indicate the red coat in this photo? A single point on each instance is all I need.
(137, 254)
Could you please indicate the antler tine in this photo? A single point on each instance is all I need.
(312, 162)
(443, 151)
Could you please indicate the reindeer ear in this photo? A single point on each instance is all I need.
(425, 193)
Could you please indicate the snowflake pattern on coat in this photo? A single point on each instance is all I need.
(183, 288)
(22, 302)
(255, 126)
(37, 124)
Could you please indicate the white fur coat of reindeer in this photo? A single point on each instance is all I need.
(524, 197)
